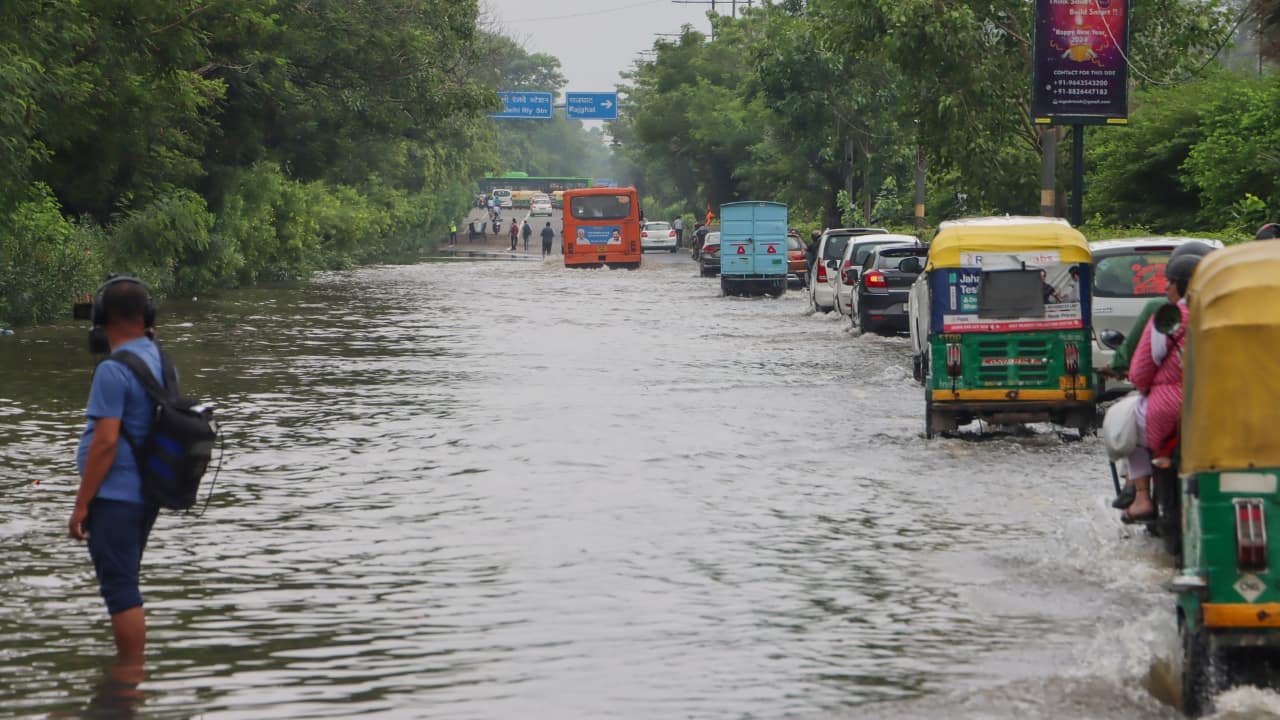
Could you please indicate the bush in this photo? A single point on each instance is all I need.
(46, 261)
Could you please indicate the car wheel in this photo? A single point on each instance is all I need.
(864, 322)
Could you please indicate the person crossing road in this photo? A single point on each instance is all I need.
(548, 235)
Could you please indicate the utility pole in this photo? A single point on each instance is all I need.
(1077, 175)
(1048, 170)
(712, 3)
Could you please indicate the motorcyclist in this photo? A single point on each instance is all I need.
(1156, 372)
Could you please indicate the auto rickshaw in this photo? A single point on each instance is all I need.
(1228, 584)
(1000, 324)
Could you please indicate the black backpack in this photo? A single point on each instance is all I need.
(175, 455)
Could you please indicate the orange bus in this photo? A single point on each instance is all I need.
(602, 227)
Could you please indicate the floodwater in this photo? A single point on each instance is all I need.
(510, 490)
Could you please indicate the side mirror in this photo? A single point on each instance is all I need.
(911, 265)
(1111, 338)
(1168, 319)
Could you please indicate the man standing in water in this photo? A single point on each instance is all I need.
(110, 511)
(526, 231)
(547, 236)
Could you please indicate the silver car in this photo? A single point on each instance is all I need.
(1127, 274)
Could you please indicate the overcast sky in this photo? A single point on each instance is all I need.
(594, 39)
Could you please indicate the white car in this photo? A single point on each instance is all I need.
(502, 198)
(831, 247)
(657, 236)
(855, 255)
(540, 205)
(1127, 274)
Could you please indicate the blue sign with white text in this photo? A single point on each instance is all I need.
(591, 106)
(525, 105)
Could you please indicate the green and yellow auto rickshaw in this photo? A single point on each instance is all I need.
(1228, 585)
(1000, 324)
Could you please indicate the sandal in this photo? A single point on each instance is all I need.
(1127, 495)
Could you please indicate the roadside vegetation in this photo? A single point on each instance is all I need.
(207, 145)
(825, 104)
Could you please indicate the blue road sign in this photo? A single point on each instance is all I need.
(591, 106)
(526, 105)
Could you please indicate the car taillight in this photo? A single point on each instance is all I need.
(875, 279)
(822, 273)
(644, 233)
(711, 248)
(671, 233)
(1251, 534)
(953, 360)
(1071, 354)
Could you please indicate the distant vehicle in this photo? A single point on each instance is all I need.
(753, 248)
(856, 252)
(709, 255)
(657, 236)
(1127, 274)
(831, 248)
(502, 197)
(541, 206)
(796, 265)
(602, 227)
(883, 288)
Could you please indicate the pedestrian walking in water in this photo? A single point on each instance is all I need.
(678, 226)
(111, 512)
(547, 236)
(526, 231)
(515, 234)
(453, 233)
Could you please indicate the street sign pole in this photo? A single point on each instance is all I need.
(1077, 175)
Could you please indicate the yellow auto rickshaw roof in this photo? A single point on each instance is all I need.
(1232, 361)
(1009, 235)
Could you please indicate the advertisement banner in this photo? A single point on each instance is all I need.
(1081, 75)
(1061, 285)
(600, 235)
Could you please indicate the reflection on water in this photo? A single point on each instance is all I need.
(509, 490)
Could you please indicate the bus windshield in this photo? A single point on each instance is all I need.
(601, 207)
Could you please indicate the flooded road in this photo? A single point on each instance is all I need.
(500, 490)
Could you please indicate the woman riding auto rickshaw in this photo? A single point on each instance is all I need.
(1000, 324)
(1228, 589)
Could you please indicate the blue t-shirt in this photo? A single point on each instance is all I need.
(116, 393)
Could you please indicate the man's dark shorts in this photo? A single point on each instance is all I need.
(118, 534)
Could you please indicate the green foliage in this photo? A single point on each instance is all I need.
(203, 145)
(1194, 157)
(800, 101)
(45, 259)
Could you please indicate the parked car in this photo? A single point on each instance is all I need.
(884, 287)
(856, 252)
(796, 266)
(540, 205)
(1127, 274)
(831, 246)
(709, 255)
(657, 235)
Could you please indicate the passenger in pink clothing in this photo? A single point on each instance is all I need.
(1156, 373)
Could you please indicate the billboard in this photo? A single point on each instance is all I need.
(1081, 71)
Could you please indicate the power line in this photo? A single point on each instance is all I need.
(590, 13)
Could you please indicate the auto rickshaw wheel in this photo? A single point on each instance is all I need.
(1198, 681)
(1168, 498)
(928, 414)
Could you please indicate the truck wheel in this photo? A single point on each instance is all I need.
(1198, 684)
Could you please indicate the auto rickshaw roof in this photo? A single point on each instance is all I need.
(1008, 235)
(1232, 383)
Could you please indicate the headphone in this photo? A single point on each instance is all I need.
(98, 314)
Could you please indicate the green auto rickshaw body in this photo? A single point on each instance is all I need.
(1000, 323)
(1228, 582)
